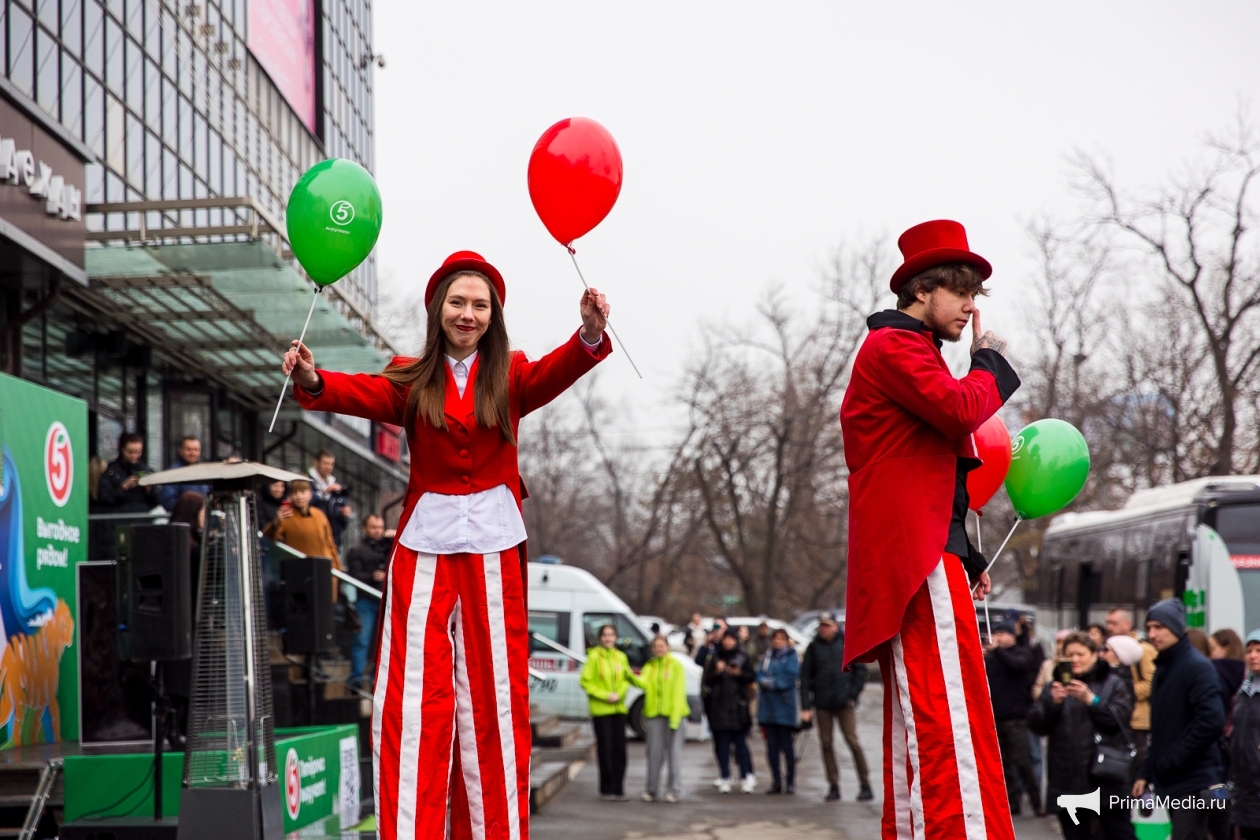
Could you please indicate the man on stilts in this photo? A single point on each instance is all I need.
(907, 426)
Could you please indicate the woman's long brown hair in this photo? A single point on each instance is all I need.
(427, 379)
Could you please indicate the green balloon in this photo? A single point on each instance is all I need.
(333, 218)
(1049, 465)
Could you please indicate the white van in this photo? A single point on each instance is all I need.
(567, 606)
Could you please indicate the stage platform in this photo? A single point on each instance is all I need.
(317, 769)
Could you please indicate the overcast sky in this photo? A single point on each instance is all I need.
(758, 136)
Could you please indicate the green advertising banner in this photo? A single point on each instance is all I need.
(318, 780)
(43, 535)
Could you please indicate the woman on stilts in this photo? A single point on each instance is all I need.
(450, 719)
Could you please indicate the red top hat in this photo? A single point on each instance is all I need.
(465, 261)
(935, 243)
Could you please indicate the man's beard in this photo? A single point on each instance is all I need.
(929, 321)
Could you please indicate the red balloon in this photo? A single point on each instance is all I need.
(993, 445)
(574, 177)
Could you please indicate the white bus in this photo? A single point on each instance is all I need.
(1198, 540)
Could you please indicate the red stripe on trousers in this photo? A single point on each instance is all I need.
(458, 638)
(939, 781)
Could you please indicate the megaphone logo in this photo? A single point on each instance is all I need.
(1080, 800)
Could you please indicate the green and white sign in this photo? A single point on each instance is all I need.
(43, 535)
(319, 775)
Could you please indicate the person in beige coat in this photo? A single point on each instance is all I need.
(1120, 623)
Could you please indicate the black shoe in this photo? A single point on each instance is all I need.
(833, 794)
(1015, 810)
(774, 788)
(865, 795)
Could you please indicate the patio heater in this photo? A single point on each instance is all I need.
(230, 787)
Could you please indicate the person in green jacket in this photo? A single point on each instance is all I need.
(664, 707)
(605, 678)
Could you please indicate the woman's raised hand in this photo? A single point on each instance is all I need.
(595, 311)
(300, 363)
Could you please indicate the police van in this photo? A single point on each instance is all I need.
(567, 606)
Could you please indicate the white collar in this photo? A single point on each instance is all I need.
(468, 362)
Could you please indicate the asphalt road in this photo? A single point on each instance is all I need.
(705, 814)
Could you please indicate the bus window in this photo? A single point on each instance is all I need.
(1169, 537)
(1135, 581)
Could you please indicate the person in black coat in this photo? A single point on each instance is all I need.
(1244, 746)
(1096, 702)
(1187, 720)
(830, 693)
(119, 490)
(727, 675)
(1012, 667)
(367, 562)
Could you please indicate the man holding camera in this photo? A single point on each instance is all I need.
(330, 496)
(908, 426)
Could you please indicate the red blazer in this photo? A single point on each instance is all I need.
(906, 420)
(465, 457)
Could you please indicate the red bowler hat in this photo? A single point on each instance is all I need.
(935, 243)
(465, 261)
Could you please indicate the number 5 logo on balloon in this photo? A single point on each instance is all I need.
(342, 212)
(1017, 445)
(58, 463)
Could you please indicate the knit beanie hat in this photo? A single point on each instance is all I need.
(1253, 636)
(1126, 648)
(1171, 613)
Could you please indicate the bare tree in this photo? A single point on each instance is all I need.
(768, 458)
(1198, 236)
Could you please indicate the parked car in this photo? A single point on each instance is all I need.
(665, 628)
(799, 640)
(807, 622)
(567, 606)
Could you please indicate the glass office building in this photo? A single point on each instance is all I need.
(152, 289)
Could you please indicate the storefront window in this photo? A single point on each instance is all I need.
(71, 94)
(21, 50)
(71, 26)
(48, 73)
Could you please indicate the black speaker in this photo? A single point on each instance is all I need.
(154, 593)
(307, 611)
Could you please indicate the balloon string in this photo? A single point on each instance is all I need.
(573, 256)
(285, 389)
(1001, 548)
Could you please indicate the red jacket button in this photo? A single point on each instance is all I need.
(464, 479)
(463, 453)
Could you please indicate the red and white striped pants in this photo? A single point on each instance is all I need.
(942, 766)
(450, 719)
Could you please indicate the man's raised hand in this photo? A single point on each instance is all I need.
(985, 339)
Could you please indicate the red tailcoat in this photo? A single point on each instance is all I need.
(463, 458)
(906, 421)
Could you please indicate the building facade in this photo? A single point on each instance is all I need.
(143, 261)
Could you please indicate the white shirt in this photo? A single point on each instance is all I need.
(476, 523)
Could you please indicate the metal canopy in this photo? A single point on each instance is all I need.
(224, 310)
(219, 471)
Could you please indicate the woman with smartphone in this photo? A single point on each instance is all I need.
(450, 719)
(1085, 698)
